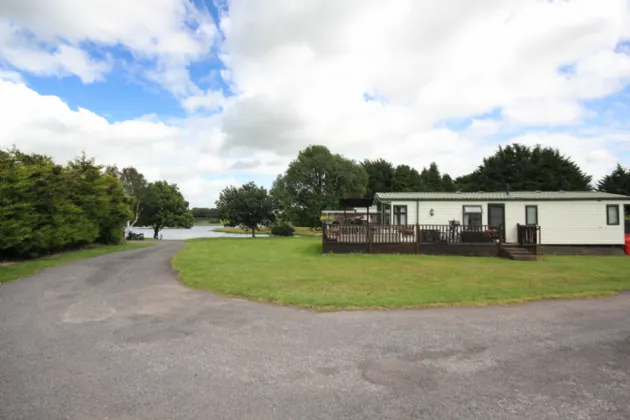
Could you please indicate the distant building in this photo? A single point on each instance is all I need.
(353, 215)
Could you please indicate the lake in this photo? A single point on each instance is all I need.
(194, 232)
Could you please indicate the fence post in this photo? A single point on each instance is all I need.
(417, 239)
(323, 235)
(369, 237)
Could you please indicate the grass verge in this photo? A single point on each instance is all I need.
(10, 271)
(292, 271)
(299, 231)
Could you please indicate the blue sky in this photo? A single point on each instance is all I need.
(207, 95)
(117, 98)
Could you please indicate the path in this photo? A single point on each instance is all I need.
(116, 337)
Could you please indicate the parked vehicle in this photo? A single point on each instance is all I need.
(132, 236)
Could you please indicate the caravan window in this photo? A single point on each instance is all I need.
(473, 216)
(612, 214)
(400, 215)
(531, 215)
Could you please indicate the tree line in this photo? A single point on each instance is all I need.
(317, 179)
(46, 207)
(210, 215)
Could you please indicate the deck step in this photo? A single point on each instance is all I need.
(517, 253)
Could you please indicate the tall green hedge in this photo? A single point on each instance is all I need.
(46, 207)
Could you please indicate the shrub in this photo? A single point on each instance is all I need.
(46, 208)
(282, 230)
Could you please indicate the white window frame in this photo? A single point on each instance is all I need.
(468, 210)
(398, 215)
(617, 215)
(527, 207)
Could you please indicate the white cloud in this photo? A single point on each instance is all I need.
(537, 112)
(210, 100)
(303, 68)
(46, 125)
(147, 27)
(64, 60)
(11, 76)
(49, 37)
(300, 70)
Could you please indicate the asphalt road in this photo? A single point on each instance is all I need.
(117, 337)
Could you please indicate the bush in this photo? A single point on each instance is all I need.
(282, 230)
(46, 208)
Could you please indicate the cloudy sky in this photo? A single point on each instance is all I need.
(210, 93)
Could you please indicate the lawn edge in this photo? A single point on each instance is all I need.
(466, 304)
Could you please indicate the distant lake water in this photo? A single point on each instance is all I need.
(194, 232)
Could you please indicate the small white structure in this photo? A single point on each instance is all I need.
(355, 213)
(565, 218)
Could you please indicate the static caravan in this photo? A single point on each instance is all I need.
(590, 220)
(516, 225)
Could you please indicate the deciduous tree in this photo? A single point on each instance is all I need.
(317, 179)
(165, 206)
(200, 212)
(283, 202)
(248, 206)
(135, 185)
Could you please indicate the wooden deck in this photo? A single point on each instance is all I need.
(413, 239)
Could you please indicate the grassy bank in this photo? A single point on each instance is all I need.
(16, 270)
(292, 271)
(299, 231)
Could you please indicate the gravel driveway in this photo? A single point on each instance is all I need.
(117, 337)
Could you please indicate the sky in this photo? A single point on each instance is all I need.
(210, 93)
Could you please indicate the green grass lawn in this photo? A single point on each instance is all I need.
(292, 271)
(299, 231)
(16, 270)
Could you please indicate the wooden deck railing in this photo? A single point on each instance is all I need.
(459, 234)
(528, 234)
(411, 234)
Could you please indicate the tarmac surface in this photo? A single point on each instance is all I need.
(118, 337)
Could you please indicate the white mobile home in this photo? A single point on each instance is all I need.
(564, 218)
